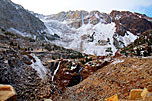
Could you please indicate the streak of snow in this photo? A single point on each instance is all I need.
(56, 70)
(128, 38)
(38, 66)
(117, 61)
(15, 31)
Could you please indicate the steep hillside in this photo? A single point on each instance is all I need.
(28, 64)
(16, 19)
(132, 22)
(94, 32)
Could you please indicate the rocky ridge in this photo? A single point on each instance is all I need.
(77, 18)
(94, 32)
(16, 19)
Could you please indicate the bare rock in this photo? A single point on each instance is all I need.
(8, 93)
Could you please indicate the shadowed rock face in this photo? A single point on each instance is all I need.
(15, 16)
(133, 22)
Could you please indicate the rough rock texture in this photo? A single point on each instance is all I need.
(15, 71)
(130, 21)
(72, 72)
(15, 16)
(16, 68)
(77, 18)
(62, 16)
(125, 20)
(118, 78)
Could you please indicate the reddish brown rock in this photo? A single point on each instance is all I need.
(132, 22)
(117, 78)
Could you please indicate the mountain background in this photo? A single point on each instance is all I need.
(94, 32)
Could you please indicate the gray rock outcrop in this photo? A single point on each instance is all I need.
(15, 16)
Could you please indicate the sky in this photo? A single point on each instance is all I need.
(48, 7)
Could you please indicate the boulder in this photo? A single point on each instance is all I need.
(135, 94)
(112, 98)
(8, 93)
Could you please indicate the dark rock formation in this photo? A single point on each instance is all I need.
(15, 16)
(132, 22)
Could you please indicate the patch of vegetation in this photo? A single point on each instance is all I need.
(9, 33)
(47, 47)
(109, 49)
(55, 35)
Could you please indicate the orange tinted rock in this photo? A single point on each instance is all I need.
(135, 94)
(8, 93)
(113, 98)
(149, 88)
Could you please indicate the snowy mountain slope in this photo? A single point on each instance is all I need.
(94, 32)
(91, 39)
(97, 45)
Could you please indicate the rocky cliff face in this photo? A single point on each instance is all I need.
(133, 22)
(16, 17)
(95, 32)
(77, 18)
(125, 20)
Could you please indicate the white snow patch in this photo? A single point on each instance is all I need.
(128, 38)
(16, 31)
(38, 66)
(73, 67)
(56, 70)
(24, 34)
(102, 32)
(117, 61)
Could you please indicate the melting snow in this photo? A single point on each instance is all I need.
(128, 38)
(117, 61)
(38, 66)
(56, 70)
(78, 39)
(102, 32)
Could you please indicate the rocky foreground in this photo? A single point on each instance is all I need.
(40, 70)
(27, 65)
(122, 75)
